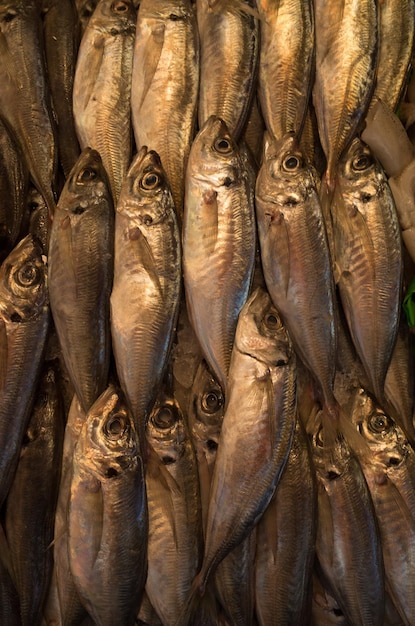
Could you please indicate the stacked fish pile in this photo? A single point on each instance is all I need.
(206, 401)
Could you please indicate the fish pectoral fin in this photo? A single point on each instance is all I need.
(146, 258)
(151, 58)
(164, 482)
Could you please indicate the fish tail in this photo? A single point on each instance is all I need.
(200, 605)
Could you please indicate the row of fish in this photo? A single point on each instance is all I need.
(206, 411)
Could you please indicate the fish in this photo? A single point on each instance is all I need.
(175, 525)
(165, 83)
(218, 241)
(25, 101)
(285, 541)
(9, 599)
(85, 9)
(107, 494)
(145, 297)
(348, 544)
(102, 87)
(229, 57)
(256, 434)
(61, 43)
(81, 251)
(14, 184)
(24, 326)
(346, 64)
(368, 260)
(32, 498)
(286, 69)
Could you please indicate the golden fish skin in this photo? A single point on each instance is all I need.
(80, 275)
(102, 87)
(296, 258)
(146, 289)
(175, 522)
(218, 241)
(346, 63)
(286, 64)
(107, 519)
(256, 432)
(368, 259)
(24, 324)
(229, 56)
(25, 100)
(165, 84)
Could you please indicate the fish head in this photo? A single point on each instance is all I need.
(11, 11)
(145, 194)
(359, 174)
(207, 407)
(284, 180)
(165, 430)
(328, 465)
(87, 186)
(261, 333)
(23, 281)
(109, 444)
(114, 17)
(215, 156)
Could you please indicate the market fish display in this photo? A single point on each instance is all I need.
(154, 347)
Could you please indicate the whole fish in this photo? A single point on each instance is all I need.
(14, 184)
(31, 501)
(346, 63)
(348, 545)
(256, 433)
(285, 547)
(175, 523)
(24, 324)
(218, 241)
(388, 451)
(102, 87)
(229, 56)
(25, 101)
(286, 64)
(368, 259)
(296, 258)
(61, 41)
(396, 48)
(165, 83)
(146, 290)
(80, 275)
(108, 494)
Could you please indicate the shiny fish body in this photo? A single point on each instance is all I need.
(286, 64)
(9, 599)
(218, 241)
(24, 98)
(80, 271)
(396, 48)
(102, 87)
(175, 524)
(61, 40)
(368, 259)
(296, 257)
(261, 409)
(165, 85)
(346, 63)
(348, 546)
(107, 519)
(32, 499)
(146, 290)
(24, 324)
(286, 542)
(229, 55)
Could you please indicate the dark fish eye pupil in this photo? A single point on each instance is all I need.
(361, 162)
(271, 320)
(87, 174)
(291, 163)
(212, 401)
(223, 144)
(115, 427)
(164, 418)
(148, 220)
(150, 181)
(379, 423)
(27, 275)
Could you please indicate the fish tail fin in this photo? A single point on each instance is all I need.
(200, 605)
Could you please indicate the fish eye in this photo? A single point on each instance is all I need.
(222, 145)
(165, 417)
(362, 162)
(28, 274)
(150, 181)
(115, 425)
(212, 401)
(320, 438)
(86, 175)
(9, 16)
(271, 321)
(120, 6)
(380, 423)
(291, 163)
